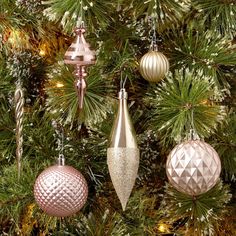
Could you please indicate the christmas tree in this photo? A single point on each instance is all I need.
(38, 102)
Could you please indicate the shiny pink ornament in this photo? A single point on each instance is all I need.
(80, 55)
(60, 190)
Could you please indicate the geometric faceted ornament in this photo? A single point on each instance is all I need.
(193, 167)
(60, 190)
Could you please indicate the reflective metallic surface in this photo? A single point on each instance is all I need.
(153, 66)
(60, 190)
(123, 152)
(123, 133)
(193, 167)
(79, 52)
(80, 86)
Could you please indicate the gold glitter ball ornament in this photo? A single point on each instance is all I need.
(153, 66)
(60, 190)
(193, 167)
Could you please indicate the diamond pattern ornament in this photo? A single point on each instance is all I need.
(60, 190)
(123, 152)
(193, 167)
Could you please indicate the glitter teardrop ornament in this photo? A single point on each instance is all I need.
(193, 167)
(123, 152)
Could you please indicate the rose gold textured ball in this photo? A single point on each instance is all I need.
(193, 167)
(153, 66)
(60, 190)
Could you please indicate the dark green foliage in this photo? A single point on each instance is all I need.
(7, 135)
(198, 37)
(224, 142)
(198, 214)
(63, 102)
(67, 13)
(15, 195)
(194, 48)
(182, 102)
(219, 14)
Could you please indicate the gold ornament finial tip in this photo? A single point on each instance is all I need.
(123, 204)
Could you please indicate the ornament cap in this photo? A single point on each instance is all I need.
(123, 94)
(61, 160)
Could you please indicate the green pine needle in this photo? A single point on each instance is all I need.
(67, 13)
(198, 49)
(64, 101)
(199, 213)
(182, 102)
(217, 14)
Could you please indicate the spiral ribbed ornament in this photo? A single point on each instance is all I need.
(153, 66)
(193, 167)
(19, 114)
(60, 190)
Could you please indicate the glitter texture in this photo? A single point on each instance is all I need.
(123, 166)
(193, 167)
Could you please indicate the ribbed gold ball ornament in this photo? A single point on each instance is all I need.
(193, 167)
(60, 190)
(153, 66)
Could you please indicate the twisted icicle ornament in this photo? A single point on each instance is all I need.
(19, 112)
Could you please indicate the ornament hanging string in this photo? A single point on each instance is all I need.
(193, 132)
(154, 46)
(80, 21)
(122, 83)
(60, 142)
(19, 113)
(61, 157)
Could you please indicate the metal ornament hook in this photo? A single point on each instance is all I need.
(122, 83)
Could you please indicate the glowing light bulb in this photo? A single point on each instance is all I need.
(162, 228)
(59, 85)
(42, 52)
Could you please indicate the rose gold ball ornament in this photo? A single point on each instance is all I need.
(60, 190)
(123, 152)
(193, 167)
(153, 66)
(80, 55)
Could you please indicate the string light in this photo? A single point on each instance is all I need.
(59, 85)
(42, 52)
(163, 228)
